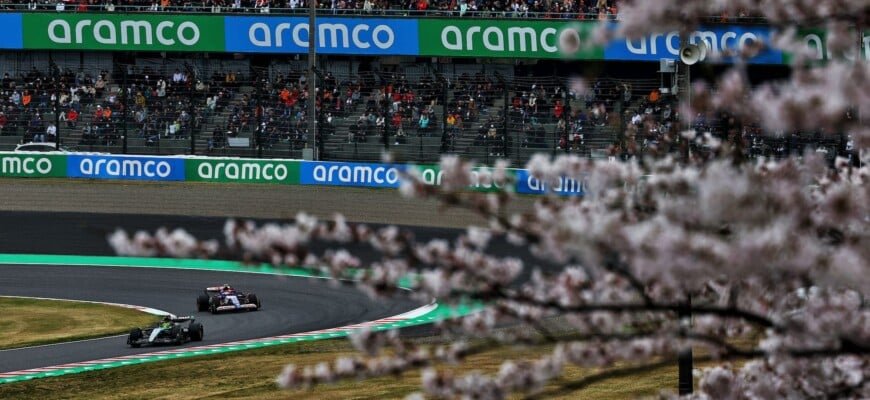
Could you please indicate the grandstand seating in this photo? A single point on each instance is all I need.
(513, 115)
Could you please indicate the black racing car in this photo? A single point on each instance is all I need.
(171, 330)
(218, 299)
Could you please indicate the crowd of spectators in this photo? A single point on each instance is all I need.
(96, 108)
(654, 126)
(471, 110)
(33, 103)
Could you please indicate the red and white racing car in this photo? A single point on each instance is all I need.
(217, 299)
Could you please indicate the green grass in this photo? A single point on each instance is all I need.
(251, 375)
(30, 322)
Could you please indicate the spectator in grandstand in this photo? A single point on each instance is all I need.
(230, 79)
(398, 128)
(558, 110)
(380, 124)
(50, 133)
(423, 127)
(89, 95)
(140, 116)
(8, 82)
(3, 122)
(636, 119)
(654, 96)
(161, 88)
(178, 77)
(36, 131)
(99, 86)
(218, 139)
(211, 104)
(99, 114)
(71, 117)
(172, 129)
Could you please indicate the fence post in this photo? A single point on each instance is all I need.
(684, 357)
(124, 111)
(191, 109)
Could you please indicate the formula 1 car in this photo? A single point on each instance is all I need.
(218, 299)
(171, 330)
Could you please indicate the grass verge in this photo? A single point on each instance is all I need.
(32, 322)
(251, 375)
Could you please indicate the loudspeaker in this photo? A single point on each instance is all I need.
(693, 53)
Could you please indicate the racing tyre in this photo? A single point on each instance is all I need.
(135, 335)
(196, 332)
(202, 303)
(252, 298)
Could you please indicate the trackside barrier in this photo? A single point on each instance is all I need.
(140, 168)
(211, 169)
(33, 165)
(247, 170)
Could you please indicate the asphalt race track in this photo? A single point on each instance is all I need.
(74, 218)
(290, 305)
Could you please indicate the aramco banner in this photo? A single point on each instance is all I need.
(722, 41)
(511, 38)
(507, 38)
(32, 165)
(126, 32)
(351, 36)
(242, 170)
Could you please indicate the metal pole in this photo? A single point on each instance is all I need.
(386, 135)
(318, 140)
(318, 133)
(443, 108)
(124, 112)
(858, 59)
(504, 125)
(684, 358)
(190, 107)
(312, 63)
(57, 116)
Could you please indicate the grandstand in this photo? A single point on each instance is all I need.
(225, 103)
(488, 111)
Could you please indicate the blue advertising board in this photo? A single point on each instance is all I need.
(11, 31)
(528, 184)
(351, 174)
(354, 36)
(125, 167)
(719, 39)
